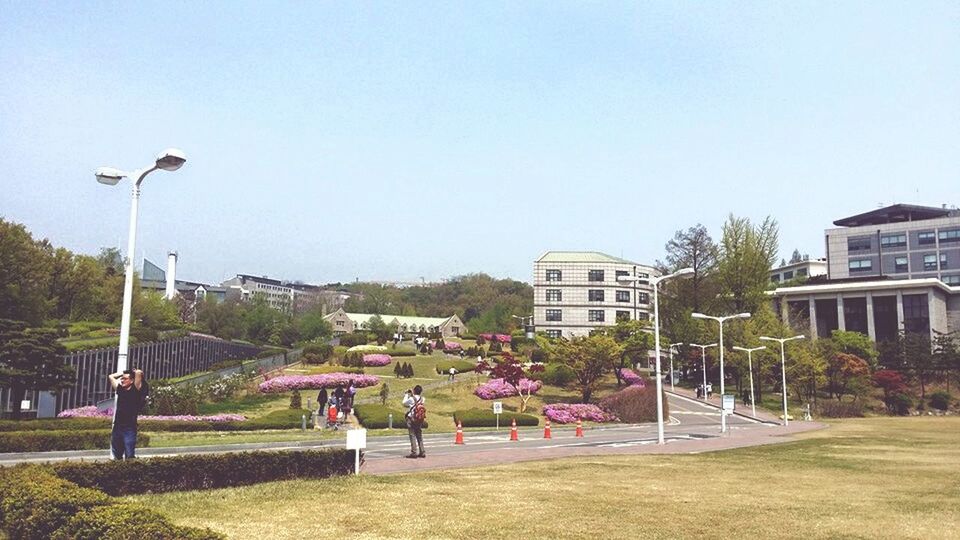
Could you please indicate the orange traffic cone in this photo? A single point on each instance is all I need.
(579, 428)
(546, 430)
(513, 431)
(459, 439)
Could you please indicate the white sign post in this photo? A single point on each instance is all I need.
(498, 410)
(356, 440)
(25, 405)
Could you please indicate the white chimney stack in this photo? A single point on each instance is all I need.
(171, 289)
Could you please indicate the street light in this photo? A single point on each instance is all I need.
(750, 365)
(672, 345)
(783, 370)
(528, 328)
(170, 159)
(655, 283)
(723, 417)
(703, 359)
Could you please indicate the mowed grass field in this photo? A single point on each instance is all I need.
(863, 478)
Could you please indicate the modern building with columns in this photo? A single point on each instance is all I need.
(889, 270)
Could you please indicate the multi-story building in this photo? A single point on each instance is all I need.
(888, 270)
(244, 287)
(575, 292)
(344, 323)
(154, 278)
(806, 268)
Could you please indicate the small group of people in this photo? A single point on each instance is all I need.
(704, 391)
(338, 404)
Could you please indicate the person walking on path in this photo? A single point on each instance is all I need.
(416, 413)
(132, 391)
(453, 373)
(322, 398)
(709, 390)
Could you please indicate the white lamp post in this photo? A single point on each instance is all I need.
(783, 370)
(655, 283)
(750, 366)
(703, 359)
(170, 159)
(723, 417)
(527, 328)
(672, 345)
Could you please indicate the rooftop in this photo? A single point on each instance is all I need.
(582, 256)
(895, 214)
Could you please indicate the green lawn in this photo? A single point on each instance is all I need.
(864, 478)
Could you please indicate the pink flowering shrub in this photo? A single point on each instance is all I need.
(93, 412)
(497, 388)
(376, 360)
(451, 346)
(501, 338)
(286, 383)
(631, 378)
(566, 413)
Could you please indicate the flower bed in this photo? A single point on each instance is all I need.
(451, 346)
(497, 388)
(286, 383)
(502, 338)
(93, 412)
(566, 413)
(367, 349)
(376, 360)
(631, 378)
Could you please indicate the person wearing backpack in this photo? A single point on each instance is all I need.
(416, 419)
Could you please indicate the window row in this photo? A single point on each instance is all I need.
(899, 240)
(594, 275)
(597, 295)
(594, 315)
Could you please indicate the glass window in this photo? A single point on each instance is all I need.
(554, 275)
(595, 295)
(775, 278)
(643, 298)
(625, 315)
(943, 261)
(929, 263)
(951, 280)
(643, 316)
(893, 240)
(641, 275)
(595, 275)
(801, 271)
(554, 295)
(859, 244)
(554, 315)
(623, 296)
(860, 265)
(622, 273)
(553, 333)
(788, 275)
(952, 235)
(926, 238)
(595, 315)
(900, 264)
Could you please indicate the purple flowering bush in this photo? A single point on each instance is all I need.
(631, 378)
(93, 412)
(376, 360)
(451, 346)
(566, 413)
(286, 383)
(497, 388)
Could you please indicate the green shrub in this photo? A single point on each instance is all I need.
(34, 503)
(473, 351)
(538, 355)
(224, 364)
(323, 350)
(174, 400)
(270, 351)
(354, 339)
(486, 418)
(47, 441)
(69, 424)
(295, 401)
(403, 351)
(336, 369)
(282, 419)
(126, 521)
(462, 366)
(376, 416)
(353, 359)
(898, 403)
(144, 334)
(940, 400)
(557, 375)
(635, 404)
(204, 471)
(834, 409)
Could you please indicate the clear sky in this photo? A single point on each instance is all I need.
(393, 140)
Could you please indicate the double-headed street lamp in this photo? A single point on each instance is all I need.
(720, 320)
(655, 284)
(703, 359)
(783, 370)
(672, 345)
(750, 366)
(170, 159)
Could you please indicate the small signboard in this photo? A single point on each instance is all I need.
(497, 407)
(356, 439)
(729, 403)
(25, 405)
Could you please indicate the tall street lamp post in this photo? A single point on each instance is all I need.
(783, 371)
(655, 284)
(672, 345)
(721, 320)
(750, 366)
(703, 359)
(170, 159)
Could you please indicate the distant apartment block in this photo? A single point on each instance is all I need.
(575, 292)
(802, 269)
(154, 278)
(283, 295)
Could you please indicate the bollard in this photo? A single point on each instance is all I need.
(309, 405)
(303, 422)
(390, 421)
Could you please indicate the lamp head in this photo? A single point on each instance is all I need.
(699, 316)
(171, 159)
(683, 272)
(108, 175)
(742, 315)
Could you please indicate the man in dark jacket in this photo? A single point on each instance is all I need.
(132, 393)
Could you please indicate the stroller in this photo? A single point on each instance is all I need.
(334, 416)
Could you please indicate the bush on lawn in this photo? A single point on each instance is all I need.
(47, 441)
(403, 351)
(559, 375)
(635, 404)
(835, 409)
(486, 418)
(940, 400)
(336, 369)
(566, 413)
(354, 339)
(127, 521)
(898, 403)
(376, 416)
(323, 351)
(204, 471)
(462, 366)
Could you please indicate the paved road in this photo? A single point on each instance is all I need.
(693, 427)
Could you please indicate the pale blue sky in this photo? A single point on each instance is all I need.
(389, 141)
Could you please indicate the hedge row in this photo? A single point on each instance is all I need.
(376, 416)
(54, 423)
(462, 366)
(486, 418)
(280, 419)
(35, 504)
(189, 472)
(47, 441)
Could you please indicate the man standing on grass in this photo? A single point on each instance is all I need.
(132, 393)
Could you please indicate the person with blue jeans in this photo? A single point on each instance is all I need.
(131, 396)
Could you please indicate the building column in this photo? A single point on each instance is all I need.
(871, 328)
(841, 320)
(900, 311)
(813, 318)
(784, 310)
(930, 315)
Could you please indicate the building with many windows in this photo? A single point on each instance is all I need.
(344, 323)
(575, 292)
(888, 270)
(807, 268)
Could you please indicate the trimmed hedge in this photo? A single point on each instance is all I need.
(336, 369)
(282, 419)
(46, 441)
(462, 366)
(486, 418)
(127, 521)
(402, 351)
(375, 416)
(55, 423)
(204, 471)
(354, 339)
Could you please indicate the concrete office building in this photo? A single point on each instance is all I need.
(806, 268)
(575, 292)
(888, 270)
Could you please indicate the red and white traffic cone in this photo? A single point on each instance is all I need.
(459, 439)
(579, 428)
(513, 431)
(546, 430)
